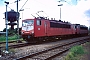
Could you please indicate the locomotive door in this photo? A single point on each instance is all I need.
(45, 24)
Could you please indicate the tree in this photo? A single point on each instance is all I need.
(10, 31)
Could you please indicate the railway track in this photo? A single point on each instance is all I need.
(47, 53)
(51, 52)
(8, 42)
(16, 45)
(13, 44)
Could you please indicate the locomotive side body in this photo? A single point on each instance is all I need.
(41, 28)
(81, 29)
(84, 30)
(58, 28)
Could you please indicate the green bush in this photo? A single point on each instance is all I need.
(70, 56)
(75, 52)
(3, 37)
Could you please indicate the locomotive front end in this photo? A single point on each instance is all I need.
(27, 28)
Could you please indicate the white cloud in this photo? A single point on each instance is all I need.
(75, 14)
(71, 13)
(2, 21)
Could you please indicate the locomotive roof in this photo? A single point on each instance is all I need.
(80, 25)
(83, 26)
(55, 21)
(61, 22)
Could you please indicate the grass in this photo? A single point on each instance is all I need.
(75, 52)
(3, 38)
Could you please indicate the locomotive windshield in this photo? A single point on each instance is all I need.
(28, 22)
(28, 25)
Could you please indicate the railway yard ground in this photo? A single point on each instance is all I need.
(47, 51)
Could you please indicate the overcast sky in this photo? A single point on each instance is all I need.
(72, 11)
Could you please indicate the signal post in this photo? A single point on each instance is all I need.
(6, 21)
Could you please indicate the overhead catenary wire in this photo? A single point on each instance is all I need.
(43, 5)
(24, 4)
(9, 7)
(9, 3)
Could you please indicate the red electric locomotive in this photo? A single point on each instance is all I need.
(37, 29)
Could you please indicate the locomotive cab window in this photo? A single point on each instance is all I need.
(28, 22)
(38, 22)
